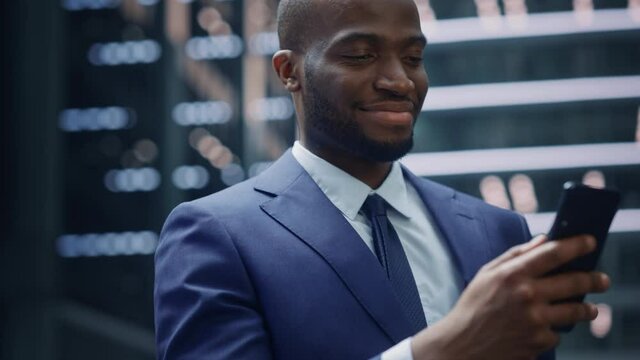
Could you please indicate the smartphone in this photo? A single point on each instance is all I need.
(584, 210)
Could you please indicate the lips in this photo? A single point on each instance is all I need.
(389, 106)
(390, 112)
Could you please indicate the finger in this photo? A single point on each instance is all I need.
(517, 250)
(545, 340)
(565, 314)
(535, 242)
(549, 255)
(568, 285)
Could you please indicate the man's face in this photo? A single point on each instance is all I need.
(364, 80)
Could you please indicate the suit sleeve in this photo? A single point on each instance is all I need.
(525, 228)
(205, 305)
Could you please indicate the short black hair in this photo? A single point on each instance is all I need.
(293, 22)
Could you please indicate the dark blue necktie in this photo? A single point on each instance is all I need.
(391, 255)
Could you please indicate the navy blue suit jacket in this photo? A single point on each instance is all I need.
(269, 268)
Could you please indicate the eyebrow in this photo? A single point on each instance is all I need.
(373, 38)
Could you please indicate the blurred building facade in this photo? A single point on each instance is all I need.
(115, 111)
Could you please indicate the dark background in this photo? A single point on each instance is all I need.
(76, 250)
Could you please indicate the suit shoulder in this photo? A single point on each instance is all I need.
(214, 215)
(498, 222)
(483, 206)
(470, 200)
(235, 198)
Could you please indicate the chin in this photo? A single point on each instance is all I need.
(385, 151)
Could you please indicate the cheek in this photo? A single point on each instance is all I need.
(341, 90)
(422, 84)
(342, 82)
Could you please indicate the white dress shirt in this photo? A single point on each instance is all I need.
(438, 281)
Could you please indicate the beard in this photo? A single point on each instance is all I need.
(329, 127)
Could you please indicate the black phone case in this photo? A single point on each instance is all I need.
(584, 210)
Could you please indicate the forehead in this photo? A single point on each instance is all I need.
(388, 19)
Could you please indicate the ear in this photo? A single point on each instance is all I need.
(285, 65)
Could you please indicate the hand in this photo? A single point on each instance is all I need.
(509, 309)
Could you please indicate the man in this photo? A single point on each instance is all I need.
(300, 263)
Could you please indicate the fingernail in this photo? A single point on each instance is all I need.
(605, 280)
(591, 242)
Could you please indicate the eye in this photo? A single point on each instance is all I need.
(359, 58)
(414, 60)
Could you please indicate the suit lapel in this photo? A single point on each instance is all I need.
(458, 223)
(300, 206)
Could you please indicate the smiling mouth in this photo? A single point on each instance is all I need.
(390, 112)
(389, 106)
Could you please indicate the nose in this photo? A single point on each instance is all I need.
(393, 77)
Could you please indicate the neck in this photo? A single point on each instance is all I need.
(369, 172)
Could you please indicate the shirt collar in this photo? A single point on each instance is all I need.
(394, 190)
(348, 193)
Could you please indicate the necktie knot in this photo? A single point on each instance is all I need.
(374, 205)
